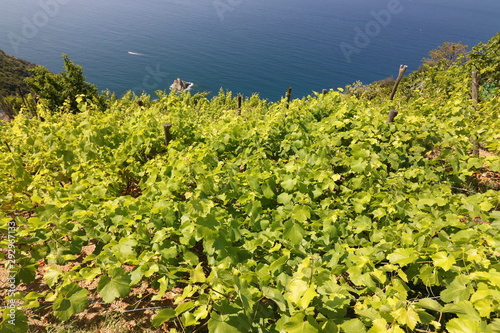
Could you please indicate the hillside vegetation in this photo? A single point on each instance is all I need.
(317, 216)
(13, 71)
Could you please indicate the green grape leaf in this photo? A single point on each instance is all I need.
(458, 290)
(297, 324)
(495, 325)
(114, 286)
(430, 304)
(284, 198)
(406, 316)
(380, 326)
(52, 275)
(353, 326)
(462, 308)
(13, 321)
(163, 281)
(301, 213)
(461, 325)
(197, 275)
(294, 232)
(163, 316)
(276, 296)
(225, 324)
(183, 307)
(403, 257)
(441, 259)
(289, 183)
(70, 300)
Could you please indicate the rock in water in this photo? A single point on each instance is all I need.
(180, 85)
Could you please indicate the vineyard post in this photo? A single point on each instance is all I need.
(22, 96)
(475, 87)
(392, 114)
(31, 106)
(402, 70)
(8, 147)
(239, 104)
(288, 96)
(477, 147)
(24, 99)
(168, 135)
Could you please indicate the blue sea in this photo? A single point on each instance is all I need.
(246, 46)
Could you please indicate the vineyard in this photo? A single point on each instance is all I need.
(312, 216)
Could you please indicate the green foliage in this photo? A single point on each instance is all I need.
(12, 73)
(452, 75)
(15, 102)
(13, 321)
(485, 58)
(373, 90)
(320, 217)
(60, 91)
(118, 285)
(71, 299)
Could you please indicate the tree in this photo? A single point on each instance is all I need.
(447, 53)
(485, 58)
(60, 91)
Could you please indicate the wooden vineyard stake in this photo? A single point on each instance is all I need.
(239, 104)
(392, 114)
(475, 87)
(8, 147)
(22, 96)
(288, 97)
(402, 70)
(477, 147)
(31, 108)
(168, 135)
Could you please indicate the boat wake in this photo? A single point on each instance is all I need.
(135, 53)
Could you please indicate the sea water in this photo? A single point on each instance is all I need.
(246, 46)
